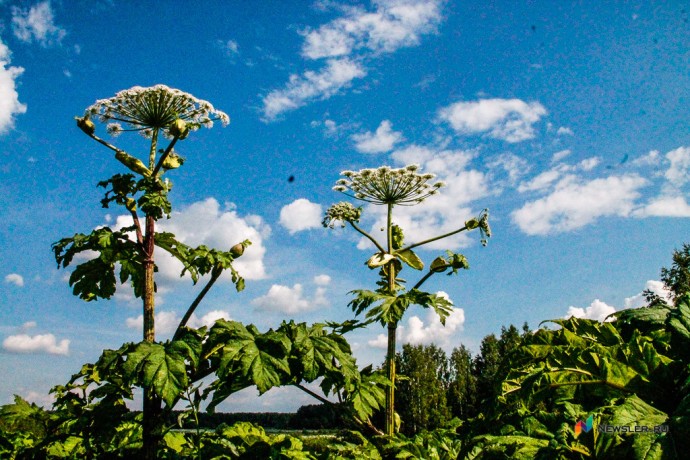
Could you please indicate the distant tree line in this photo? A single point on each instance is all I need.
(308, 417)
(437, 387)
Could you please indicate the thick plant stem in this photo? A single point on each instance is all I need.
(149, 266)
(392, 326)
(390, 391)
(152, 403)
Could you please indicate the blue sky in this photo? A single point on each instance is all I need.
(568, 122)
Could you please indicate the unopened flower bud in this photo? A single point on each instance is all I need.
(472, 224)
(237, 250)
(173, 161)
(179, 129)
(439, 265)
(86, 125)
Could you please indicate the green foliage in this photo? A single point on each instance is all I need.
(462, 385)
(95, 278)
(632, 371)
(677, 278)
(439, 444)
(201, 260)
(387, 308)
(421, 395)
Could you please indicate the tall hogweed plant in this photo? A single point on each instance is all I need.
(387, 304)
(165, 117)
(90, 418)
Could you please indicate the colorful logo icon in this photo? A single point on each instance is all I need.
(581, 426)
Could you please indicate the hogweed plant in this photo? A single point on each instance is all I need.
(390, 187)
(159, 113)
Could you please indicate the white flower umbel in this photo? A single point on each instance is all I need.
(154, 108)
(387, 186)
(341, 212)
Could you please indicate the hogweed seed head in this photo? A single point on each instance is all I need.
(385, 185)
(157, 107)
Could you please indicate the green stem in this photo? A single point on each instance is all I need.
(371, 238)
(154, 146)
(215, 274)
(424, 278)
(392, 326)
(429, 274)
(164, 156)
(440, 237)
(107, 144)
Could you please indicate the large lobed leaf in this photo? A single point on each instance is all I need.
(159, 367)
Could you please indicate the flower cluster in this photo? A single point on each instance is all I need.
(341, 212)
(484, 229)
(156, 107)
(384, 185)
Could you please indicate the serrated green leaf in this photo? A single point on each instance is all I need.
(154, 366)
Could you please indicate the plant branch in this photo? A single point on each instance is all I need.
(164, 156)
(367, 424)
(371, 238)
(423, 279)
(215, 274)
(106, 143)
(440, 237)
(137, 224)
(313, 394)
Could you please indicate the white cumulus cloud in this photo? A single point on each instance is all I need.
(36, 24)
(322, 280)
(345, 43)
(300, 215)
(383, 140)
(15, 278)
(558, 156)
(678, 173)
(597, 310)
(432, 331)
(41, 343)
(9, 98)
(575, 203)
(665, 206)
(290, 300)
(394, 24)
(511, 120)
(302, 89)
